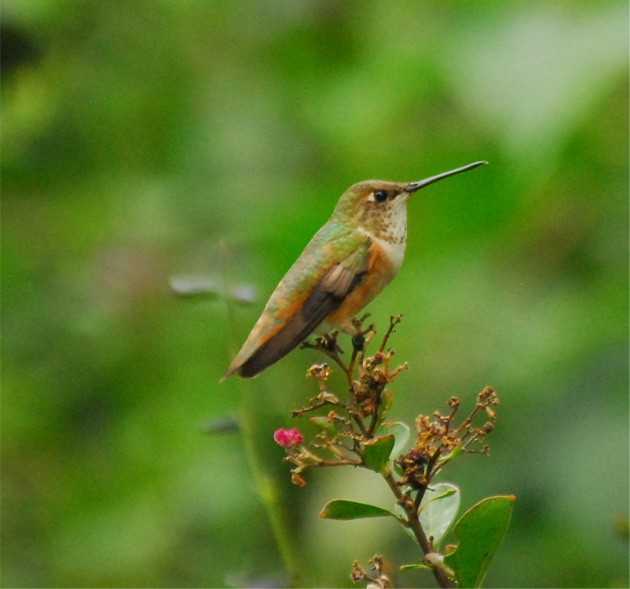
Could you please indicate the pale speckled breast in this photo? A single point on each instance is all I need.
(393, 247)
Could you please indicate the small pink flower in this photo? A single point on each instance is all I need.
(287, 437)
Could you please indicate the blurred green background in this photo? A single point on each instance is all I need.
(146, 140)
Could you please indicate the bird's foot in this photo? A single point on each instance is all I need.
(358, 342)
(329, 341)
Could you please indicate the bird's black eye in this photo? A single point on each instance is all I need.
(380, 195)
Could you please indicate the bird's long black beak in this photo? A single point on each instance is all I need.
(413, 186)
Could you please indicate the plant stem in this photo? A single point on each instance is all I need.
(264, 482)
(267, 490)
(414, 525)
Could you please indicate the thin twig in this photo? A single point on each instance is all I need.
(413, 523)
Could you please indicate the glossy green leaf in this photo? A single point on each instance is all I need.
(376, 452)
(400, 431)
(480, 532)
(441, 495)
(439, 510)
(342, 509)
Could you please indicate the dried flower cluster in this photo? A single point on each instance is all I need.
(378, 580)
(347, 426)
(440, 440)
(354, 432)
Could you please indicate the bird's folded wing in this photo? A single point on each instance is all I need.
(328, 294)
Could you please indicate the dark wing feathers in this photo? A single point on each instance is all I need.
(327, 295)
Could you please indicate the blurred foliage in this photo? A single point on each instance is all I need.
(155, 138)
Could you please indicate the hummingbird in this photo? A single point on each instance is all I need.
(345, 265)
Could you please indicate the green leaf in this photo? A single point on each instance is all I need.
(376, 452)
(436, 513)
(439, 510)
(442, 495)
(480, 532)
(385, 405)
(400, 431)
(454, 454)
(414, 567)
(342, 509)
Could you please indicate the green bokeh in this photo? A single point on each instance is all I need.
(149, 139)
